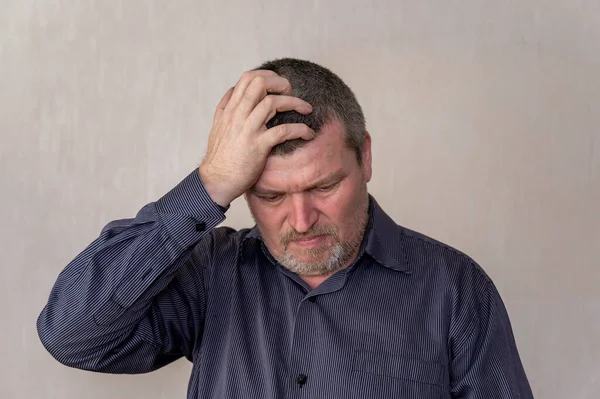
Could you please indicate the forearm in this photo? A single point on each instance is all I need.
(104, 303)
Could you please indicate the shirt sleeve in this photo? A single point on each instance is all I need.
(485, 361)
(133, 300)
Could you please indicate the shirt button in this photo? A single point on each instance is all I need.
(312, 299)
(200, 226)
(301, 379)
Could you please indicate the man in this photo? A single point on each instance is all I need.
(326, 297)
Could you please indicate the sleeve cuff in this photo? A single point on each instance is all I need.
(188, 212)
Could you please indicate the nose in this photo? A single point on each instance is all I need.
(303, 214)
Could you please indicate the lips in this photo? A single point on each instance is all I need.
(310, 241)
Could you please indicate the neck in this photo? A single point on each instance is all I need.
(315, 281)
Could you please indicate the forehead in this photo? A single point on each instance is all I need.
(324, 155)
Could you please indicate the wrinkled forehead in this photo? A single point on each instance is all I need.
(323, 156)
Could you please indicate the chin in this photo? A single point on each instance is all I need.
(311, 271)
(325, 263)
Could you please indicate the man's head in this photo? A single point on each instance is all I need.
(329, 96)
(315, 189)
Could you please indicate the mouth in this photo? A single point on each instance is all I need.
(310, 241)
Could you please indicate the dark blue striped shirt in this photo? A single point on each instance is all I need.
(410, 318)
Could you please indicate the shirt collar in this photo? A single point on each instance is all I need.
(384, 241)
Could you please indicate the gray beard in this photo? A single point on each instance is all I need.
(339, 255)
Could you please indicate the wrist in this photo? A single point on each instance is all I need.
(214, 189)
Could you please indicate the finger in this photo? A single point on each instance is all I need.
(222, 104)
(272, 104)
(288, 131)
(257, 90)
(245, 80)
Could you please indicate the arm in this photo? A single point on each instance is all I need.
(133, 300)
(486, 363)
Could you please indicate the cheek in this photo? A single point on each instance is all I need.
(340, 209)
(269, 218)
(349, 203)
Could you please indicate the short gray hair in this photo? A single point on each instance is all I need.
(329, 96)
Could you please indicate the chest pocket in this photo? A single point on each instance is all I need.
(378, 375)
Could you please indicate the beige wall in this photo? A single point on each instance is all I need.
(485, 119)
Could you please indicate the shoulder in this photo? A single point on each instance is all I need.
(217, 253)
(433, 259)
(422, 255)
(450, 273)
(221, 242)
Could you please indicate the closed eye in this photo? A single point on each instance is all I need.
(270, 198)
(326, 188)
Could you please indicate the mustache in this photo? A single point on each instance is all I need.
(315, 231)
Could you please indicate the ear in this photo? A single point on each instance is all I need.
(367, 161)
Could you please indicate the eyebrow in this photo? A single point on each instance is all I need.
(331, 179)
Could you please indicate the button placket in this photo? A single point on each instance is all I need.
(300, 350)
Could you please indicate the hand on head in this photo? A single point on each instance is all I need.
(240, 142)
